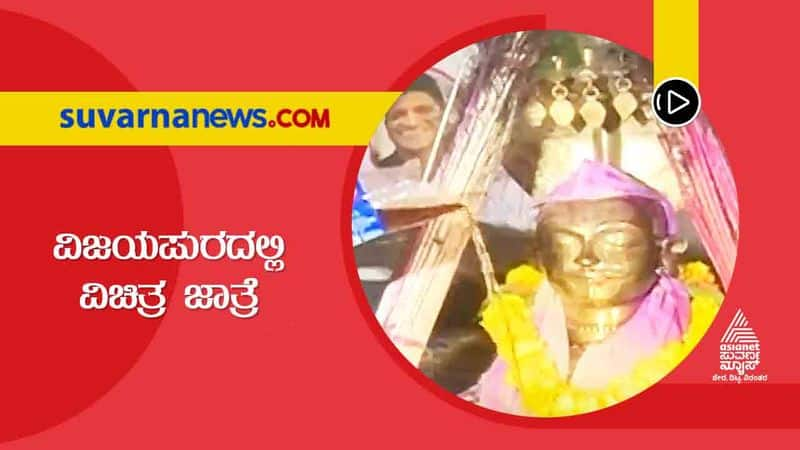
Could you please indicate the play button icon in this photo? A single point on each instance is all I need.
(676, 102)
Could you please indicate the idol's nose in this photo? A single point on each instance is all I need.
(587, 262)
(587, 259)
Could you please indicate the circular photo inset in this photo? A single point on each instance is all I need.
(531, 237)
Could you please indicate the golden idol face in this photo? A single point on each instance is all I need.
(600, 253)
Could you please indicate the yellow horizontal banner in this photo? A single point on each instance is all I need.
(676, 40)
(191, 118)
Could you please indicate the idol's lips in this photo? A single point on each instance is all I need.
(594, 276)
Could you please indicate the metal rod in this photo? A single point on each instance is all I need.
(443, 125)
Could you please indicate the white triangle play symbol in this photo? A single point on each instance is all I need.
(684, 102)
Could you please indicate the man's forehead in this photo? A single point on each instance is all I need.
(413, 98)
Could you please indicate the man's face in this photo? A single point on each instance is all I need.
(599, 253)
(413, 120)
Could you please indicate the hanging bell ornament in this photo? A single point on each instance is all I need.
(561, 110)
(644, 113)
(592, 111)
(535, 112)
(625, 102)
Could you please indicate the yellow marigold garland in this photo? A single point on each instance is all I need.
(531, 370)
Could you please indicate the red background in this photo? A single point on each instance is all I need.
(309, 370)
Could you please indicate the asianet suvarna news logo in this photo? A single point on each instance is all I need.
(154, 118)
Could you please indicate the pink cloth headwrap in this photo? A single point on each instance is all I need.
(598, 181)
